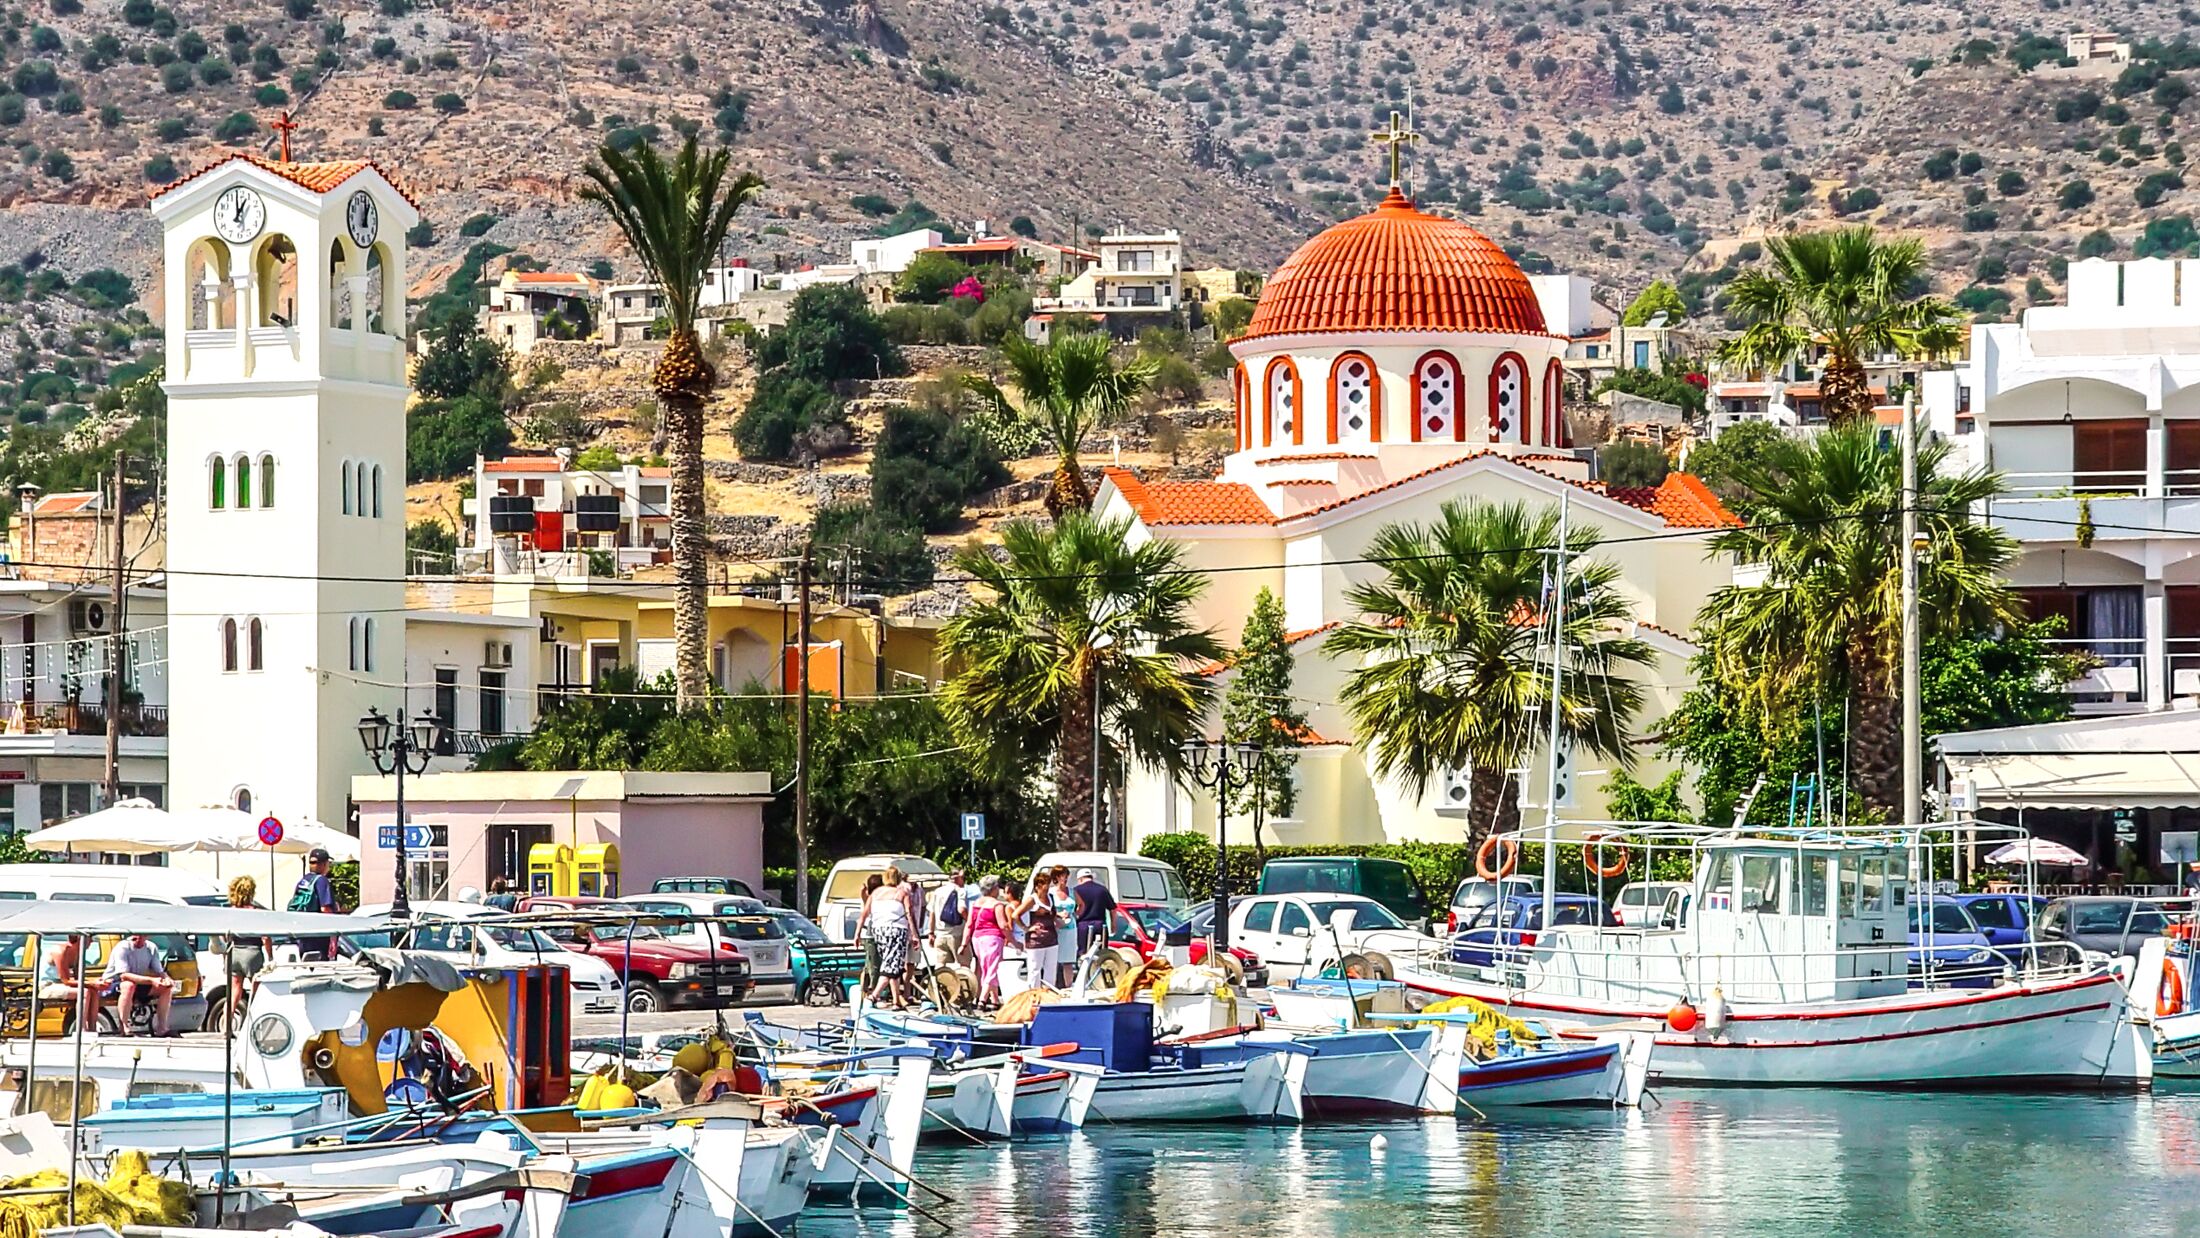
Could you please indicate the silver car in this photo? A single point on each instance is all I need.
(756, 936)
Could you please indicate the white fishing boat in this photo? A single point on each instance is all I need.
(2163, 1000)
(1265, 1087)
(719, 1179)
(1786, 963)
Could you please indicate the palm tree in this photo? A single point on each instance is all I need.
(1847, 290)
(1072, 387)
(1448, 672)
(676, 213)
(1079, 620)
(1828, 616)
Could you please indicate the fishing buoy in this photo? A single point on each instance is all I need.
(1714, 1013)
(1681, 1018)
(618, 1096)
(1376, 1146)
(693, 1058)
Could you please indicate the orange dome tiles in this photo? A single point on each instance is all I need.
(1397, 268)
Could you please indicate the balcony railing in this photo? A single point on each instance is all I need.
(2097, 483)
(73, 718)
(2116, 670)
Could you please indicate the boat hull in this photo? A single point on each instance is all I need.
(2068, 1033)
(1269, 1087)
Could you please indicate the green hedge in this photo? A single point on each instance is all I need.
(1436, 867)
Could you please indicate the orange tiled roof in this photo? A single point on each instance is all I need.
(1684, 502)
(1289, 638)
(1191, 502)
(1300, 458)
(64, 503)
(550, 277)
(1397, 268)
(523, 464)
(320, 177)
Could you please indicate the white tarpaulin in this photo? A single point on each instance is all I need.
(2081, 780)
(46, 918)
(2036, 851)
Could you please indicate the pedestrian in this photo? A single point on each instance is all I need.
(920, 926)
(950, 909)
(1065, 921)
(247, 955)
(1042, 933)
(871, 885)
(134, 968)
(886, 914)
(501, 895)
(988, 938)
(316, 893)
(1094, 906)
(57, 982)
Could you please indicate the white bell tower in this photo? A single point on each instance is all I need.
(284, 287)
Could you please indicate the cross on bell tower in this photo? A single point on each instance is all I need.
(284, 125)
(1397, 136)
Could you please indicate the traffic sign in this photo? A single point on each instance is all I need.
(416, 837)
(973, 827)
(271, 831)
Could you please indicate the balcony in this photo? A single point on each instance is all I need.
(2117, 504)
(72, 718)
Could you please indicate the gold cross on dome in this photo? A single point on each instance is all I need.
(1397, 137)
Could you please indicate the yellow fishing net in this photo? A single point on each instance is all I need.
(132, 1195)
(1153, 973)
(1487, 1021)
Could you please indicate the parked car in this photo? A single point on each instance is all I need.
(472, 933)
(1200, 916)
(1961, 954)
(1130, 878)
(2107, 923)
(840, 902)
(702, 885)
(1513, 925)
(2006, 919)
(1641, 904)
(1292, 931)
(1475, 893)
(753, 935)
(1388, 882)
(1141, 927)
(660, 974)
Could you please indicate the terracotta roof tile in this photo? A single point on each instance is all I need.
(1302, 457)
(1397, 268)
(320, 177)
(1191, 502)
(1289, 638)
(1684, 502)
(64, 503)
(550, 277)
(523, 464)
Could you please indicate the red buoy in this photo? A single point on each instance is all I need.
(1681, 1018)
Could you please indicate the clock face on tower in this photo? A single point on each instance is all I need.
(239, 215)
(362, 219)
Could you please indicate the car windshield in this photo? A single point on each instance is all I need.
(1947, 918)
(1997, 913)
(1154, 920)
(800, 926)
(1300, 876)
(522, 939)
(754, 928)
(1366, 917)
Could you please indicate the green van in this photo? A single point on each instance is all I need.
(1388, 882)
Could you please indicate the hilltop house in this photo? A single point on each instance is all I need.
(526, 306)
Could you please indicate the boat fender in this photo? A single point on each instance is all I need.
(2169, 999)
(1715, 1013)
(1377, 1146)
(1681, 1018)
(1489, 869)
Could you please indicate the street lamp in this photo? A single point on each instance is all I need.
(407, 751)
(1218, 764)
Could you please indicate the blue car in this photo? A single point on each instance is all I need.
(1511, 924)
(1961, 954)
(2006, 919)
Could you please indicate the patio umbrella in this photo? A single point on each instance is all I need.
(217, 828)
(130, 827)
(2037, 851)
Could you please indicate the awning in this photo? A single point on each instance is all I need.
(2081, 780)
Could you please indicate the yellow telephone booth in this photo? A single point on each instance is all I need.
(596, 870)
(550, 869)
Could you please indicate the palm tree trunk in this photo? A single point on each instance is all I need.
(1845, 391)
(1493, 804)
(682, 380)
(1073, 784)
(1069, 492)
(1875, 735)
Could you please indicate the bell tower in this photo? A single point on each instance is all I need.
(284, 286)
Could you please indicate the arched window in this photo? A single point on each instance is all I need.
(275, 272)
(359, 485)
(343, 474)
(244, 482)
(366, 645)
(339, 288)
(229, 645)
(242, 799)
(255, 646)
(217, 483)
(1241, 401)
(351, 635)
(267, 481)
(1554, 406)
(1436, 390)
(1355, 401)
(1282, 423)
(377, 492)
(1509, 400)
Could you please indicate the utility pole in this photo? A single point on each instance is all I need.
(115, 647)
(1912, 752)
(802, 734)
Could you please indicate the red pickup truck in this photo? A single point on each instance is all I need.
(660, 974)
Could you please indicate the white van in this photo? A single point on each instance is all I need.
(840, 903)
(1130, 878)
(131, 883)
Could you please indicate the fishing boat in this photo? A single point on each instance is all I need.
(1785, 963)
(2163, 1000)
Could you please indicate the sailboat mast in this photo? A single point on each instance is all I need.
(1558, 663)
(1912, 739)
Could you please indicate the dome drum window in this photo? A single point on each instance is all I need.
(1355, 401)
(1436, 400)
(1283, 423)
(1509, 400)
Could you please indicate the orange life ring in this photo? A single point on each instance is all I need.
(1502, 846)
(1595, 847)
(2169, 999)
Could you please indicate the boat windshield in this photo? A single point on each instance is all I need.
(1947, 918)
(1366, 917)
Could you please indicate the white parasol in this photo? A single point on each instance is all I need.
(137, 827)
(2037, 851)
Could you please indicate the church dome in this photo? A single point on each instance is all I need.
(1398, 268)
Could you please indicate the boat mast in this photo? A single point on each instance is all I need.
(1558, 661)
(1912, 745)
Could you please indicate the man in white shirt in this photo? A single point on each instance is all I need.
(952, 903)
(134, 967)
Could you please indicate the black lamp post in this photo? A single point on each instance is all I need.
(1221, 765)
(395, 749)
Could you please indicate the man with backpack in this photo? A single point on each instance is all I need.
(951, 912)
(316, 893)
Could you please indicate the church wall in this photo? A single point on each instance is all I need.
(1395, 357)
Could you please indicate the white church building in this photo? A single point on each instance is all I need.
(1397, 361)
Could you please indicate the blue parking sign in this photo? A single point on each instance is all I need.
(973, 827)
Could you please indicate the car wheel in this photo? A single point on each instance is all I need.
(642, 997)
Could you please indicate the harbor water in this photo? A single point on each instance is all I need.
(1810, 1164)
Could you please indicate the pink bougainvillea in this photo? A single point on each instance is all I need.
(969, 288)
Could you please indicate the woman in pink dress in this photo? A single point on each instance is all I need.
(988, 939)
